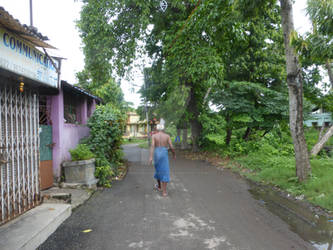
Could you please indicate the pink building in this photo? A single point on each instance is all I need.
(66, 115)
(41, 117)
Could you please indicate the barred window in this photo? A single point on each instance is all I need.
(70, 109)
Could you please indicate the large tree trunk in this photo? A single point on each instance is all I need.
(295, 86)
(196, 127)
(247, 134)
(228, 130)
(184, 139)
(228, 136)
(320, 144)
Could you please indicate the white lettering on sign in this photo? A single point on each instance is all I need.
(20, 57)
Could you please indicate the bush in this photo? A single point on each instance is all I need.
(106, 129)
(81, 152)
(103, 173)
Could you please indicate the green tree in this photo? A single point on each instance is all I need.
(295, 86)
(315, 49)
(114, 29)
(321, 51)
(97, 74)
(294, 81)
(255, 67)
(250, 106)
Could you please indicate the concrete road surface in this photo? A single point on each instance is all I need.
(206, 209)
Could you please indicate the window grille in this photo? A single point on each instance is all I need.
(44, 111)
(70, 109)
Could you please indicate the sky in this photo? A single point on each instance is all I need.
(56, 19)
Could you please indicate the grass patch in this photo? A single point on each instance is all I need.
(280, 171)
(133, 140)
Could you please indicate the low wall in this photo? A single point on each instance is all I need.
(69, 136)
(72, 134)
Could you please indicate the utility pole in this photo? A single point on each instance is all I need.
(146, 109)
(31, 23)
(148, 136)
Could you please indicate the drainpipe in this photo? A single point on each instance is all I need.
(59, 72)
(31, 23)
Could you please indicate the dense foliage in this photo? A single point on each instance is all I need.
(106, 129)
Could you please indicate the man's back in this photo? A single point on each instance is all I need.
(161, 139)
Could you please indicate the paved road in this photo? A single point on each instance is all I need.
(206, 209)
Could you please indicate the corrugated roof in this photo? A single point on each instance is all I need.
(29, 33)
(80, 91)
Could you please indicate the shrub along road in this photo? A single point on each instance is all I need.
(206, 209)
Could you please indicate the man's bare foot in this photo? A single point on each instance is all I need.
(164, 194)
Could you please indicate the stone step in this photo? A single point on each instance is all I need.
(64, 198)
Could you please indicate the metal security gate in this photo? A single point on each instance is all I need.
(19, 159)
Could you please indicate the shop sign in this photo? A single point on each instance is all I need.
(22, 58)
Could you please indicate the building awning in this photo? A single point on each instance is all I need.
(30, 34)
(78, 90)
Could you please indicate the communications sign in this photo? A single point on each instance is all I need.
(21, 57)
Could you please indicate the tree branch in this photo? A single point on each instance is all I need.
(320, 144)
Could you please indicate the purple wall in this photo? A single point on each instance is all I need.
(67, 136)
(57, 118)
(72, 134)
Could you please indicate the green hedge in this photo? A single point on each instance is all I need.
(106, 129)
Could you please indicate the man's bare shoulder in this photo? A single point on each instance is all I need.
(167, 135)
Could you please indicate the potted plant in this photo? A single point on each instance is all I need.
(81, 170)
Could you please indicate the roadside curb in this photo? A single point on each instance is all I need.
(309, 213)
(31, 229)
(303, 209)
(123, 172)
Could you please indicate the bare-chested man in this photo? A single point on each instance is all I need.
(159, 148)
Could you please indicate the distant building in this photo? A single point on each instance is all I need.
(134, 126)
(319, 120)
